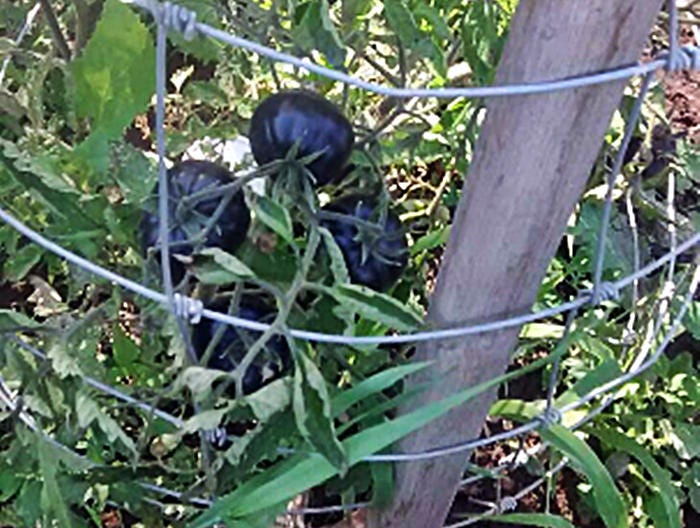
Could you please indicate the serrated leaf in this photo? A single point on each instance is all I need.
(125, 351)
(62, 362)
(531, 519)
(135, 174)
(51, 497)
(215, 266)
(271, 399)
(38, 175)
(204, 420)
(660, 481)
(692, 319)
(22, 262)
(88, 412)
(312, 412)
(261, 443)
(11, 321)
(199, 380)
(114, 77)
(338, 266)
(377, 307)
(609, 502)
(274, 216)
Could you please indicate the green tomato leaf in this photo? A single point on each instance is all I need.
(51, 497)
(88, 412)
(63, 363)
(204, 48)
(11, 321)
(135, 174)
(274, 216)
(29, 501)
(609, 502)
(199, 380)
(204, 420)
(338, 267)
(114, 77)
(691, 480)
(215, 266)
(692, 319)
(312, 411)
(261, 443)
(425, 11)
(270, 400)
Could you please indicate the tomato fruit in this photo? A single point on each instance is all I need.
(270, 363)
(292, 116)
(187, 220)
(374, 248)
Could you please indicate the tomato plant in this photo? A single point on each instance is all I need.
(308, 122)
(372, 240)
(224, 347)
(200, 213)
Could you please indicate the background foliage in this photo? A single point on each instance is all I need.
(76, 165)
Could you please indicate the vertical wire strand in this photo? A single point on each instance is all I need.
(617, 166)
(163, 194)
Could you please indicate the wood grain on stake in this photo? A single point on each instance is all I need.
(530, 167)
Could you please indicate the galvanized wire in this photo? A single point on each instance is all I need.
(169, 16)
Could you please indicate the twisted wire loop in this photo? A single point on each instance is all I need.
(178, 18)
(507, 503)
(607, 291)
(550, 416)
(172, 16)
(684, 58)
(186, 307)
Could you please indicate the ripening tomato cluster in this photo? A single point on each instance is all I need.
(296, 124)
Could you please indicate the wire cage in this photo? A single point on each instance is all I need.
(171, 17)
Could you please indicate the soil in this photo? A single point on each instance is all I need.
(682, 91)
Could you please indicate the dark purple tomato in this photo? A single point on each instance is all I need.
(375, 257)
(270, 363)
(292, 116)
(185, 179)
